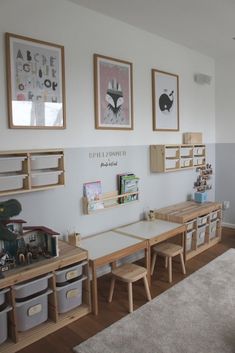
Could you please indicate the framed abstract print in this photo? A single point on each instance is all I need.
(35, 82)
(165, 93)
(113, 93)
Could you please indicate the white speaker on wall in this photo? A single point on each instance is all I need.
(202, 79)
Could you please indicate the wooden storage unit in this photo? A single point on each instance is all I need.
(166, 158)
(202, 220)
(26, 171)
(69, 255)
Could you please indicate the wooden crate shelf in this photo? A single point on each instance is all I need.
(27, 171)
(192, 214)
(69, 255)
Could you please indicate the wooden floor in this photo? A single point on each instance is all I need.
(65, 339)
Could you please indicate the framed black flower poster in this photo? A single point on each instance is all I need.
(165, 92)
(113, 93)
(35, 82)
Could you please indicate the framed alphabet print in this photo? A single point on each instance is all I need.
(113, 93)
(35, 82)
(165, 91)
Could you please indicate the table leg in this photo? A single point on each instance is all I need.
(184, 245)
(94, 290)
(148, 263)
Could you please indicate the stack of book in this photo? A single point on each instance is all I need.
(128, 183)
(93, 192)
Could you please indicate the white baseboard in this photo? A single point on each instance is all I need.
(228, 225)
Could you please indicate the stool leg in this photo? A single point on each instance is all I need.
(182, 263)
(111, 290)
(130, 297)
(146, 285)
(153, 262)
(170, 269)
(166, 261)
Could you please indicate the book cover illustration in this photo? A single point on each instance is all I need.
(93, 192)
(129, 184)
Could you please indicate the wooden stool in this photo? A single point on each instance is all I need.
(129, 273)
(168, 250)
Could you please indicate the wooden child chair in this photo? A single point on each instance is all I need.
(168, 250)
(129, 273)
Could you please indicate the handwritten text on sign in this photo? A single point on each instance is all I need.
(108, 158)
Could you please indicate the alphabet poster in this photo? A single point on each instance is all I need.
(35, 83)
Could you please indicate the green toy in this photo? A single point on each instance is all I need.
(8, 209)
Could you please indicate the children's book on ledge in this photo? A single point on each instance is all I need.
(93, 192)
(128, 183)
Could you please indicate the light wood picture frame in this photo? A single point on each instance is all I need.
(113, 93)
(165, 101)
(35, 83)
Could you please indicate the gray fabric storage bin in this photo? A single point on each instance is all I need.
(69, 273)
(69, 296)
(3, 324)
(32, 312)
(2, 295)
(28, 288)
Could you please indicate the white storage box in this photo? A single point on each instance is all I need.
(202, 220)
(201, 234)
(2, 295)
(214, 215)
(29, 288)
(212, 232)
(199, 151)
(32, 312)
(186, 151)
(189, 240)
(190, 225)
(199, 161)
(3, 324)
(172, 163)
(69, 296)
(172, 152)
(70, 272)
(186, 162)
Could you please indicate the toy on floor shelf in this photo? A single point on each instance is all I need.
(21, 245)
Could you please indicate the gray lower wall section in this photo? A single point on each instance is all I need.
(224, 181)
(61, 208)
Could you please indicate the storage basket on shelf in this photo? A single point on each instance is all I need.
(32, 312)
(189, 239)
(201, 235)
(29, 288)
(69, 295)
(70, 272)
(3, 296)
(212, 230)
(3, 324)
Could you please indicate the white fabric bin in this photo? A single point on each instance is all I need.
(214, 215)
(202, 220)
(70, 272)
(32, 312)
(69, 296)
(190, 224)
(189, 240)
(201, 234)
(213, 227)
(29, 288)
(2, 295)
(3, 324)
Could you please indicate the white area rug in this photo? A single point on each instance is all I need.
(195, 316)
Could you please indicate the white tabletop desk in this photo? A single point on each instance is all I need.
(155, 231)
(108, 247)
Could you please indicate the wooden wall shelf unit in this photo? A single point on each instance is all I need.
(168, 158)
(69, 255)
(109, 200)
(202, 220)
(26, 171)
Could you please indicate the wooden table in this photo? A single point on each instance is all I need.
(108, 247)
(155, 232)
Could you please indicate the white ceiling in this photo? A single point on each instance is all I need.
(207, 26)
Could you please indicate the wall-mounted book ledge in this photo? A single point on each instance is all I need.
(109, 200)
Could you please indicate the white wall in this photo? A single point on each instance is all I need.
(225, 135)
(84, 33)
